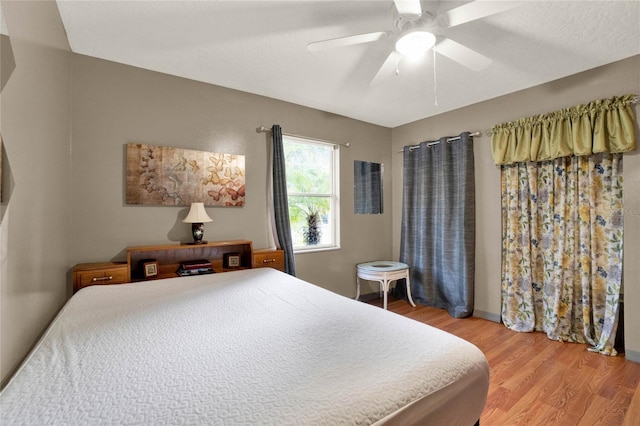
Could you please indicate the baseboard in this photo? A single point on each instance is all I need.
(476, 313)
(632, 356)
(487, 315)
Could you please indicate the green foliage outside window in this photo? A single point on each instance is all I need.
(309, 169)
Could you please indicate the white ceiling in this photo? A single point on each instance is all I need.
(260, 47)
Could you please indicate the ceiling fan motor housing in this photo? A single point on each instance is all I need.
(415, 37)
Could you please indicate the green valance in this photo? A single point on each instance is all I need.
(606, 125)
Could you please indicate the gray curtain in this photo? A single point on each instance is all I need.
(438, 223)
(281, 202)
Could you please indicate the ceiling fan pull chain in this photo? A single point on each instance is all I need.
(435, 80)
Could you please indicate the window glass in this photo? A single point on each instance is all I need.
(311, 168)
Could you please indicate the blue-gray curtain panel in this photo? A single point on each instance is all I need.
(438, 223)
(281, 201)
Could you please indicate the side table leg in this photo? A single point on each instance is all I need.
(385, 290)
(409, 289)
(357, 286)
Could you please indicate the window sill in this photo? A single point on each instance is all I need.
(315, 250)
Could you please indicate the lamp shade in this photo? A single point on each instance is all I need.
(197, 214)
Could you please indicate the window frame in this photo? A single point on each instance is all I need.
(334, 195)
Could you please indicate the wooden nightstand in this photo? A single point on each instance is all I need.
(86, 274)
(269, 258)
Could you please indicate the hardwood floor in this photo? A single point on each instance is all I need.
(537, 381)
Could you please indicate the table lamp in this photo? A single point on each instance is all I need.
(196, 217)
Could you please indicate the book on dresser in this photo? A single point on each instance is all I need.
(195, 267)
(195, 264)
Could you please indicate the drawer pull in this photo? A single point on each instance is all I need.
(268, 260)
(109, 278)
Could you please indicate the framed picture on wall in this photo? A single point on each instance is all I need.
(168, 176)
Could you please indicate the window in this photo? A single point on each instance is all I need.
(312, 186)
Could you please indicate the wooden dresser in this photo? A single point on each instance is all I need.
(168, 258)
(269, 258)
(86, 274)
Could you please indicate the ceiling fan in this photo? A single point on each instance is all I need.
(417, 30)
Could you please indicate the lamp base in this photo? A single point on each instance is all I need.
(197, 230)
(195, 243)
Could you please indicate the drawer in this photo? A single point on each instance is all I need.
(101, 273)
(269, 259)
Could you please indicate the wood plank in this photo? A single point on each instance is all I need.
(632, 417)
(535, 380)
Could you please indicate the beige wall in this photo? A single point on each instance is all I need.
(35, 123)
(115, 104)
(615, 79)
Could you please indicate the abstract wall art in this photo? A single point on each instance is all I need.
(159, 175)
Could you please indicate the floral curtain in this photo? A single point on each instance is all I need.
(562, 248)
(562, 220)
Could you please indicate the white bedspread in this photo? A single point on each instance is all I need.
(246, 347)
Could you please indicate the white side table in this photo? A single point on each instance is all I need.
(384, 272)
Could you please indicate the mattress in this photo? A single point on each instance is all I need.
(246, 347)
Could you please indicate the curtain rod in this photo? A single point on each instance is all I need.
(263, 129)
(456, 138)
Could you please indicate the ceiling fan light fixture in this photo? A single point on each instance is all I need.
(415, 42)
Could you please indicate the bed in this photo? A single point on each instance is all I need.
(253, 346)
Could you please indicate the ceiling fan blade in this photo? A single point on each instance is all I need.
(387, 68)
(347, 41)
(478, 9)
(463, 55)
(408, 7)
